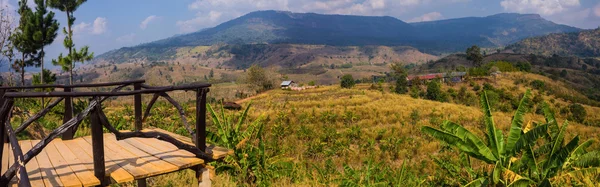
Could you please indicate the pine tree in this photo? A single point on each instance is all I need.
(45, 33)
(82, 56)
(68, 7)
(23, 41)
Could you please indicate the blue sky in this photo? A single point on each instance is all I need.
(110, 24)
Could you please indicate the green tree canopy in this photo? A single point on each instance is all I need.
(474, 54)
(347, 81)
(400, 75)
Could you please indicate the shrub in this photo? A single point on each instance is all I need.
(347, 81)
(524, 66)
(578, 113)
(538, 85)
(487, 86)
(434, 92)
(414, 92)
(476, 87)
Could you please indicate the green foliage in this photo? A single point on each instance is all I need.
(538, 85)
(401, 78)
(434, 92)
(474, 55)
(250, 161)
(578, 113)
(49, 78)
(347, 81)
(258, 79)
(515, 160)
(502, 66)
(524, 66)
(23, 40)
(68, 63)
(563, 73)
(478, 71)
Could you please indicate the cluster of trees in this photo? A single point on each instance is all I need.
(258, 79)
(23, 45)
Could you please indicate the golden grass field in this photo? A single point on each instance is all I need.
(352, 126)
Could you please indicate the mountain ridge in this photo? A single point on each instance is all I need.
(585, 43)
(284, 27)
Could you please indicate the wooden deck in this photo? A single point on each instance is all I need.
(70, 163)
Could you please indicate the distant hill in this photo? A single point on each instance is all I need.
(280, 27)
(582, 74)
(583, 44)
(491, 31)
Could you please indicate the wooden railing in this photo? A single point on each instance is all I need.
(98, 120)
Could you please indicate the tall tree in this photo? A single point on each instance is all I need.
(400, 76)
(23, 41)
(6, 28)
(45, 33)
(68, 7)
(474, 54)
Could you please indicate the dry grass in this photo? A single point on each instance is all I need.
(350, 126)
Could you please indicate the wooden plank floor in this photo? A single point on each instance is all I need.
(70, 163)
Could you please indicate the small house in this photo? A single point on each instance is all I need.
(287, 84)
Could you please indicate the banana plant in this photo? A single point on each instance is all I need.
(250, 162)
(561, 162)
(537, 165)
(496, 151)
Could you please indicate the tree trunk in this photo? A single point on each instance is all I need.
(23, 70)
(70, 47)
(42, 74)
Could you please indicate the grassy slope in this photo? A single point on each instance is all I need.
(352, 126)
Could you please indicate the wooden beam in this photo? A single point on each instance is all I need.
(73, 86)
(107, 94)
(37, 116)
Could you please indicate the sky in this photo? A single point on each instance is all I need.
(105, 25)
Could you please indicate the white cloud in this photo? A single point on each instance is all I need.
(544, 7)
(147, 21)
(99, 26)
(128, 38)
(200, 20)
(81, 28)
(432, 16)
(206, 10)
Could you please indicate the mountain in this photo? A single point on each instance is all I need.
(583, 44)
(281, 27)
(491, 31)
(303, 28)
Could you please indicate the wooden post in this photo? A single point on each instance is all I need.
(137, 100)
(201, 172)
(201, 118)
(68, 135)
(98, 144)
(137, 105)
